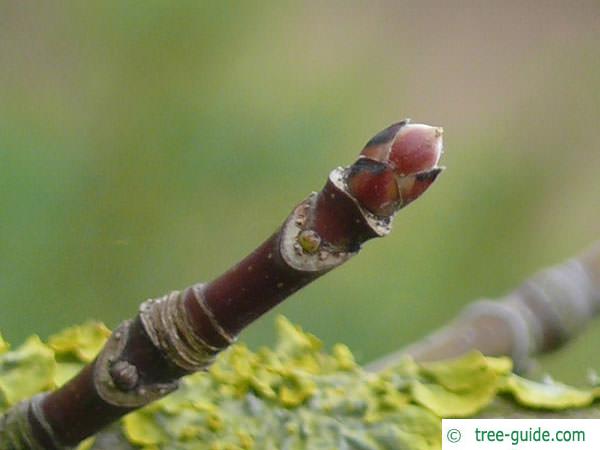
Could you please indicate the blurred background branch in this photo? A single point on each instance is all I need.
(544, 313)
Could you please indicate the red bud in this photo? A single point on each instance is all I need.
(396, 167)
(416, 148)
(412, 186)
(374, 185)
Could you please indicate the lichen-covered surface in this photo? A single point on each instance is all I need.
(292, 397)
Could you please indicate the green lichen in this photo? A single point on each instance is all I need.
(292, 397)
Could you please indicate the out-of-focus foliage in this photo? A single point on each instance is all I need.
(294, 396)
(148, 146)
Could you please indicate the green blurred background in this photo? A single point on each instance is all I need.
(148, 145)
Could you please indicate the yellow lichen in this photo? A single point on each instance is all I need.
(294, 396)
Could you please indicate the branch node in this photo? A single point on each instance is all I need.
(198, 292)
(117, 391)
(16, 427)
(302, 248)
(167, 324)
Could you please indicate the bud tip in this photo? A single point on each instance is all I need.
(396, 167)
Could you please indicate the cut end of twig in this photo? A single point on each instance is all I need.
(396, 167)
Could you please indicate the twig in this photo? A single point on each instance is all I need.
(182, 332)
